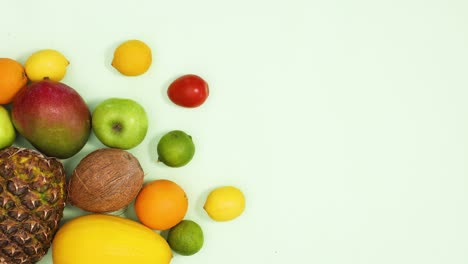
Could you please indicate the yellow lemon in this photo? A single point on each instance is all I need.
(132, 58)
(47, 63)
(225, 203)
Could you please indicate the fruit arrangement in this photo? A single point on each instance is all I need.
(34, 188)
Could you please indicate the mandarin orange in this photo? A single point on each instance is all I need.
(12, 79)
(161, 204)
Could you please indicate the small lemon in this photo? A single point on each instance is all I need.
(225, 203)
(47, 63)
(132, 58)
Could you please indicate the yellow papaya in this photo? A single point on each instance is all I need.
(102, 239)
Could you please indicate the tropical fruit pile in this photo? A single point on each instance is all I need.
(55, 119)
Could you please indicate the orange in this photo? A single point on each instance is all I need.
(12, 79)
(161, 204)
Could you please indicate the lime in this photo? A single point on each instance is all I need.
(132, 58)
(225, 203)
(185, 238)
(47, 63)
(176, 148)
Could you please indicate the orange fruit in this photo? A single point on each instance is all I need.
(12, 79)
(161, 204)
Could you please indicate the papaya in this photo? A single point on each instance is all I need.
(106, 239)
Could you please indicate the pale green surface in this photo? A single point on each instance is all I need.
(344, 122)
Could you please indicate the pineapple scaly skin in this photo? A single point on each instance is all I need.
(32, 200)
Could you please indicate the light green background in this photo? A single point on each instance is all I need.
(344, 122)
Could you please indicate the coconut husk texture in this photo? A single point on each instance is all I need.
(105, 180)
(32, 200)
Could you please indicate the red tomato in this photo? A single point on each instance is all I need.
(188, 91)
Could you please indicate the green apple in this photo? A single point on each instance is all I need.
(8, 134)
(120, 123)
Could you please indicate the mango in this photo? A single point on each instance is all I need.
(108, 239)
(53, 117)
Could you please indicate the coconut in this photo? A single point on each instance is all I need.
(105, 180)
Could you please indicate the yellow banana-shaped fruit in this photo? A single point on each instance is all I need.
(106, 239)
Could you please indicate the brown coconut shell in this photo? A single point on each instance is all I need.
(106, 180)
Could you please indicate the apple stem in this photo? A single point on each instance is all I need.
(117, 127)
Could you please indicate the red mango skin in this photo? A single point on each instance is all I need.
(53, 117)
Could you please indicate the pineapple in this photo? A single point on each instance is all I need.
(32, 199)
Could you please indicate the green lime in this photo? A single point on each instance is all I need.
(185, 238)
(176, 148)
